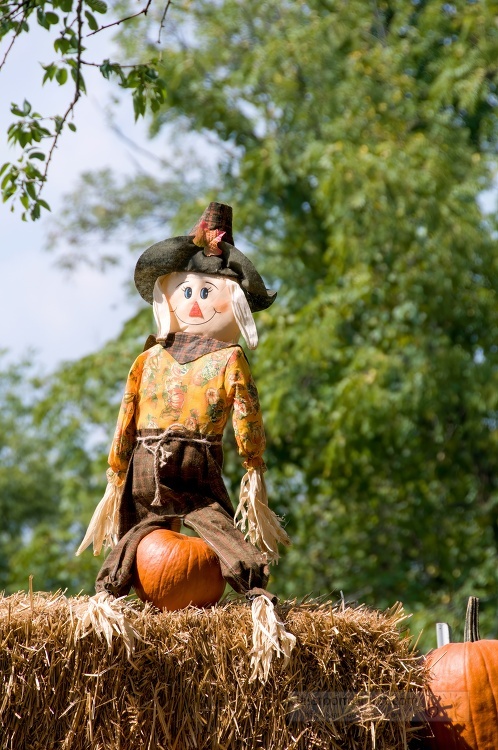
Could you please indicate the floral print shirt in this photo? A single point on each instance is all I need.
(199, 395)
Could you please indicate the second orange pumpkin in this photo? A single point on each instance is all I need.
(463, 691)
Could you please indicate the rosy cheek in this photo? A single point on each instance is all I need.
(223, 307)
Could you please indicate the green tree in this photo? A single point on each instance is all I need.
(43, 476)
(55, 432)
(354, 140)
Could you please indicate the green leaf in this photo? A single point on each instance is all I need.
(9, 177)
(92, 21)
(139, 106)
(37, 155)
(8, 193)
(62, 45)
(42, 18)
(65, 5)
(50, 71)
(61, 76)
(107, 68)
(99, 6)
(24, 137)
(31, 190)
(58, 124)
(32, 172)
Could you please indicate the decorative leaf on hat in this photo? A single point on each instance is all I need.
(208, 239)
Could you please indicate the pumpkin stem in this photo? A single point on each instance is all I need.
(472, 621)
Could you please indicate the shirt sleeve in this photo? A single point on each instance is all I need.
(247, 418)
(125, 433)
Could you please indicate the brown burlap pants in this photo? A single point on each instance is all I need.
(186, 484)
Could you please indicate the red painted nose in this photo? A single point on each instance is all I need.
(196, 312)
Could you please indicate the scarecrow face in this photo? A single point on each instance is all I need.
(200, 304)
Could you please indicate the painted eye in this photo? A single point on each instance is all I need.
(188, 292)
(204, 292)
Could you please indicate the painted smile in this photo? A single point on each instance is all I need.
(189, 323)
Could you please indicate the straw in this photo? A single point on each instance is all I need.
(352, 681)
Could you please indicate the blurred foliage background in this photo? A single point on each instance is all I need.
(355, 141)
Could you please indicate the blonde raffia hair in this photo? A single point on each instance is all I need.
(240, 308)
(160, 308)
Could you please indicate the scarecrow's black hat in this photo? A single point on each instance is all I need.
(209, 249)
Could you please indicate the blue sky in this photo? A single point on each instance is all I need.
(60, 316)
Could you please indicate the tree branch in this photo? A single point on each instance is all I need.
(17, 32)
(163, 17)
(142, 12)
(77, 94)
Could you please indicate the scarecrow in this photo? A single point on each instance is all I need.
(166, 457)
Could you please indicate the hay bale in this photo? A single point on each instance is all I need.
(352, 681)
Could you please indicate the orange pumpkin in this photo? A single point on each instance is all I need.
(173, 570)
(463, 695)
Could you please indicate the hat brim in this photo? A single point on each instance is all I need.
(180, 254)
